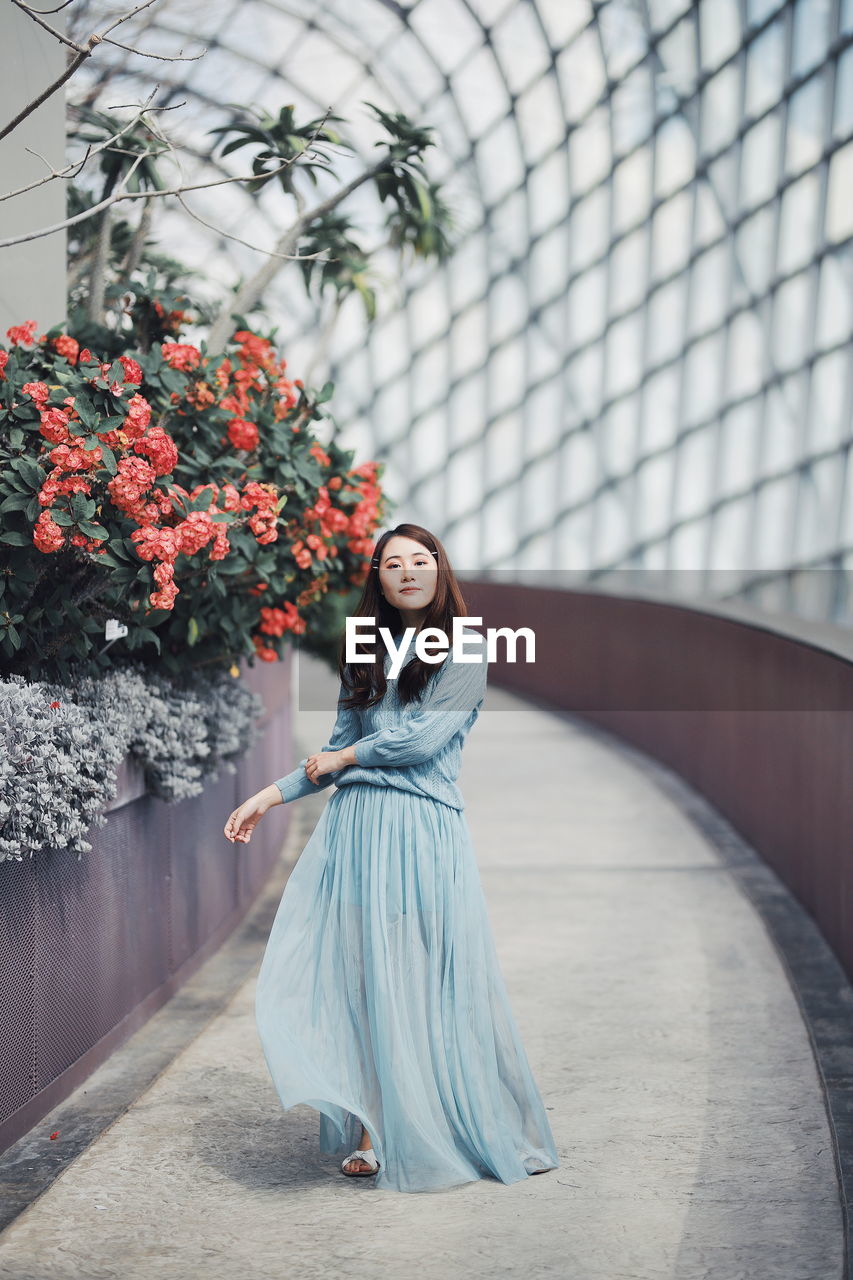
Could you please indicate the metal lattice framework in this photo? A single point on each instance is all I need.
(639, 355)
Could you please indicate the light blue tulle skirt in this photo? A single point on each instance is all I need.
(380, 999)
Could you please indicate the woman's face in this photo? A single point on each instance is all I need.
(408, 575)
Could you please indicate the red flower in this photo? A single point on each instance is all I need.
(68, 347)
(265, 654)
(38, 391)
(132, 371)
(22, 334)
(301, 554)
(157, 445)
(254, 350)
(242, 434)
(47, 535)
(195, 532)
(54, 426)
(138, 416)
(201, 396)
(181, 355)
(317, 451)
(223, 373)
(52, 705)
(130, 485)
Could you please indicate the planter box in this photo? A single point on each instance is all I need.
(90, 949)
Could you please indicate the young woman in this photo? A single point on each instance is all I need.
(380, 1001)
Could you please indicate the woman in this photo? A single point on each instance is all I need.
(380, 1001)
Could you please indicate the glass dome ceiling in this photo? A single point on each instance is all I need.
(639, 355)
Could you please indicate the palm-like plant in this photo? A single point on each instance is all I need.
(419, 217)
(346, 268)
(282, 142)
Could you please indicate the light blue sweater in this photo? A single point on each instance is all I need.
(415, 747)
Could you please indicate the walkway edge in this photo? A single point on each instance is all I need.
(815, 975)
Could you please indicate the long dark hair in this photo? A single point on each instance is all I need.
(366, 680)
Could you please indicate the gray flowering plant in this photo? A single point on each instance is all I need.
(64, 744)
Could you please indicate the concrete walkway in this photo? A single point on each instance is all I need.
(659, 1024)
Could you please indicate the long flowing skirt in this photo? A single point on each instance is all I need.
(380, 999)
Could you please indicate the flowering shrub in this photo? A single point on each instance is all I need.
(64, 744)
(181, 495)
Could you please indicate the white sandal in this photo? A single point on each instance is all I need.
(368, 1155)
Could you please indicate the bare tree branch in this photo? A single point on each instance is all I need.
(47, 93)
(82, 51)
(59, 7)
(164, 57)
(251, 291)
(58, 35)
(291, 257)
(73, 169)
(98, 277)
(141, 195)
(137, 244)
(96, 38)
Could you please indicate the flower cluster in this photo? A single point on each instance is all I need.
(148, 450)
(146, 453)
(257, 370)
(99, 443)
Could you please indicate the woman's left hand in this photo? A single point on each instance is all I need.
(323, 762)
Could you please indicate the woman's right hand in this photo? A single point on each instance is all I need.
(243, 820)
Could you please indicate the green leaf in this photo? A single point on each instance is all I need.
(86, 411)
(109, 459)
(15, 538)
(111, 561)
(16, 502)
(117, 549)
(173, 380)
(31, 472)
(16, 437)
(203, 501)
(91, 530)
(14, 481)
(147, 634)
(192, 631)
(82, 508)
